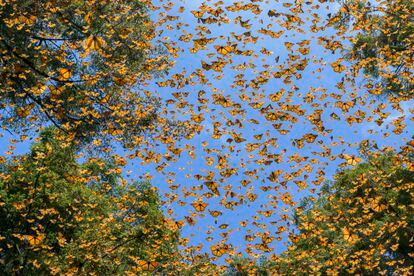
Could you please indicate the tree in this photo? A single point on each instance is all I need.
(361, 223)
(383, 45)
(59, 216)
(246, 266)
(78, 65)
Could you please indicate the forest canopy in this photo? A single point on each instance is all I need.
(60, 217)
(206, 137)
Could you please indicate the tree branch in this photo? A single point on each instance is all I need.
(33, 67)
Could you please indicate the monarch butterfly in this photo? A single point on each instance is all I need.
(114, 131)
(218, 66)
(252, 146)
(219, 99)
(351, 160)
(274, 175)
(351, 238)
(202, 41)
(245, 24)
(256, 105)
(218, 250)
(94, 43)
(298, 143)
(223, 226)
(263, 247)
(377, 206)
(64, 74)
(251, 197)
(238, 138)
(228, 172)
(271, 13)
(26, 20)
(337, 67)
(334, 116)
(239, 83)
(345, 106)
(229, 204)
(147, 265)
(199, 206)
(208, 20)
(215, 213)
(172, 50)
(34, 240)
(265, 188)
(249, 237)
(198, 118)
(190, 220)
(286, 198)
(267, 213)
(213, 186)
(245, 182)
(272, 116)
(293, 238)
(304, 51)
(217, 134)
(25, 110)
(310, 137)
(55, 91)
(198, 14)
(306, 226)
(206, 66)
(301, 184)
(223, 50)
(216, 12)
(281, 229)
(301, 65)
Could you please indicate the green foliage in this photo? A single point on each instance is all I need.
(245, 267)
(59, 216)
(78, 65)
(361, 223)
(383, 44)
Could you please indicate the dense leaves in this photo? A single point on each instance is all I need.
(59, 216)
(383, 47)
(361, 223)
(78, 65)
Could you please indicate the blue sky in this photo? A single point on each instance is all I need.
(186, 167)
(326, 79)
